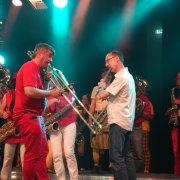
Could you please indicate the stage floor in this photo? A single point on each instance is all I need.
(87, 175)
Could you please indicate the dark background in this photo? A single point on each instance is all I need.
(154, 57)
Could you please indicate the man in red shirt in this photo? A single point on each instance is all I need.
(29, 104)
(137, 132)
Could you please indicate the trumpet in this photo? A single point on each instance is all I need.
(60, 82)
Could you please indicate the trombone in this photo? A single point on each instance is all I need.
(59, 81)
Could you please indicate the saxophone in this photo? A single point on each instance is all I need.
(173, 112)
(51, 123)
(7, 130)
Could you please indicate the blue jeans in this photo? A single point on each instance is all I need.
(120, 154)
(137, 143)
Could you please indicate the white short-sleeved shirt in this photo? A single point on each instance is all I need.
(122, 100)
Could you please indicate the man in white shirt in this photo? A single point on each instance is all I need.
(121, 111)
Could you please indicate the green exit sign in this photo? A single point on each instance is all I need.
(159, 31)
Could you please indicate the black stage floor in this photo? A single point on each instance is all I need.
(87, 175)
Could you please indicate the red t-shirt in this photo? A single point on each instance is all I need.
(28, 75)
(69, 116)
(147, 109)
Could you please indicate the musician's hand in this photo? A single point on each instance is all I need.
(102, 83)
(47, 75)
(56, 92)
(5, 115)
(47, 114)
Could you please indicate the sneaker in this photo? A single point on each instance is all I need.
(95, 169)
(110, 170)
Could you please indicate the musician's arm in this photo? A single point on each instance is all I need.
(104, 94)
(37, 93)
(175, 101)
(3, 112)
(147, 116)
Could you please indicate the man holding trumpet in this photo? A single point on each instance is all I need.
(29, 104)
(121, 111)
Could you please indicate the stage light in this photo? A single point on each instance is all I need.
(38, 4)
(1, 60)
(60, 3)
(17, 2)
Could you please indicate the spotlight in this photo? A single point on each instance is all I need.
(60, 3)
(38, 4)
(1, 60)
(17, 2)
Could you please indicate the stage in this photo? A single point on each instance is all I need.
(103, 175)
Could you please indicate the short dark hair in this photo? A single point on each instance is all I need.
(119, 54)
(42, 47)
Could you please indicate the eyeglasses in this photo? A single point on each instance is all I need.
(107, 60)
